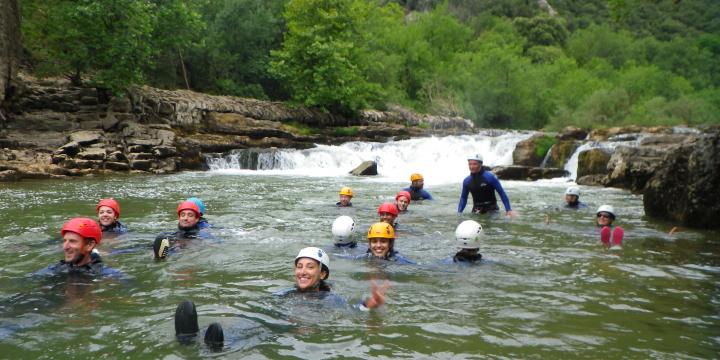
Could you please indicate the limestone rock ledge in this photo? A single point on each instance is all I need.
(54, 129)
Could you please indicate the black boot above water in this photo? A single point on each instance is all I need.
(186, 322)
(214, 337)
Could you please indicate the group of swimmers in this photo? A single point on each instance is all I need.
(81, 236)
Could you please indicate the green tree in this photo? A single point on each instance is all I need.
(235, 55)
(107, 40)
(177, 29)
(323, 58)
(542, 30)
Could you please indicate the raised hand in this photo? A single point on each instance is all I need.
(377, 295)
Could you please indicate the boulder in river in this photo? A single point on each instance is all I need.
(631, 167)
(686, 188)
(366, 168)
(531, 152)
(592, 162)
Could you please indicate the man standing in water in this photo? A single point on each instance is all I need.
(482, 185)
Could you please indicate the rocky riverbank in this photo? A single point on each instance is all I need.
(54, 130)
(676, 169)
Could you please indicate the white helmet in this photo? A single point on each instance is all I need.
(316, 254)
(476, 157)
(467, 234)
(608, 209)
(573, 190)
(342, 229)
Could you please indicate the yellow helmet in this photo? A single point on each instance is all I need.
(346, 191)
(415, 177)
(381, 230)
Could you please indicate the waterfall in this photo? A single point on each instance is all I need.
(547, 157)
(439, 159)
(631, 140)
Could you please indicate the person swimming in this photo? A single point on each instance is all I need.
(342, 229)
(346, 195)
(202, 222)
(610, 235)
(416, 190)
(467, 236)
(312, 269)
(108, 212)
(402, 200)
(80, 236)
(388, 213)
(188, 217)
(381, 244)
(572, 198)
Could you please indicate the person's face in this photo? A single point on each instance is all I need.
(75, 248)
(308, 273)
(187, 219)
(402, 203)
(345, 200)
(604, 219)
(570, 199)
(380, 246)
(474, 166)
(106, 215)
(418, 184)
(387, 217)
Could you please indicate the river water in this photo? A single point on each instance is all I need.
(547, 290)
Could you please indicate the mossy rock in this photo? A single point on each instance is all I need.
(593, 161)
(531, 152)
(561, 152)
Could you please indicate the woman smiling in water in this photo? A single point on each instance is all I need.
(312, 268)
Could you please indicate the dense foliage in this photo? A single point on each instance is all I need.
(502, 63)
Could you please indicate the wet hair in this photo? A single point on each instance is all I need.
(323, 286)
(466, 256)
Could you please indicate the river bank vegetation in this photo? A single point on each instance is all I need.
(507, 63)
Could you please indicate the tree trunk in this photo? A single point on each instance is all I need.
(184, 71)
(9, 44)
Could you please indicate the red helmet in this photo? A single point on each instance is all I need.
(405, 194)
(388, 207)
(188, 205)
(111, 203)
(85, 227)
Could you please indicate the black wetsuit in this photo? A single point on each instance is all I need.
(460, 258)
(95, 267)
(194, 232)
(117, 227)
(482, 185)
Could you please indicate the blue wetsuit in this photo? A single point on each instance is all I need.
(482, 185)
(338, 204)
(418, 194)
(116, 228)
(326, 296)
(391, 256)
(576, 206)
(203, 223)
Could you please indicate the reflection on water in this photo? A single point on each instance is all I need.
(547, 290)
